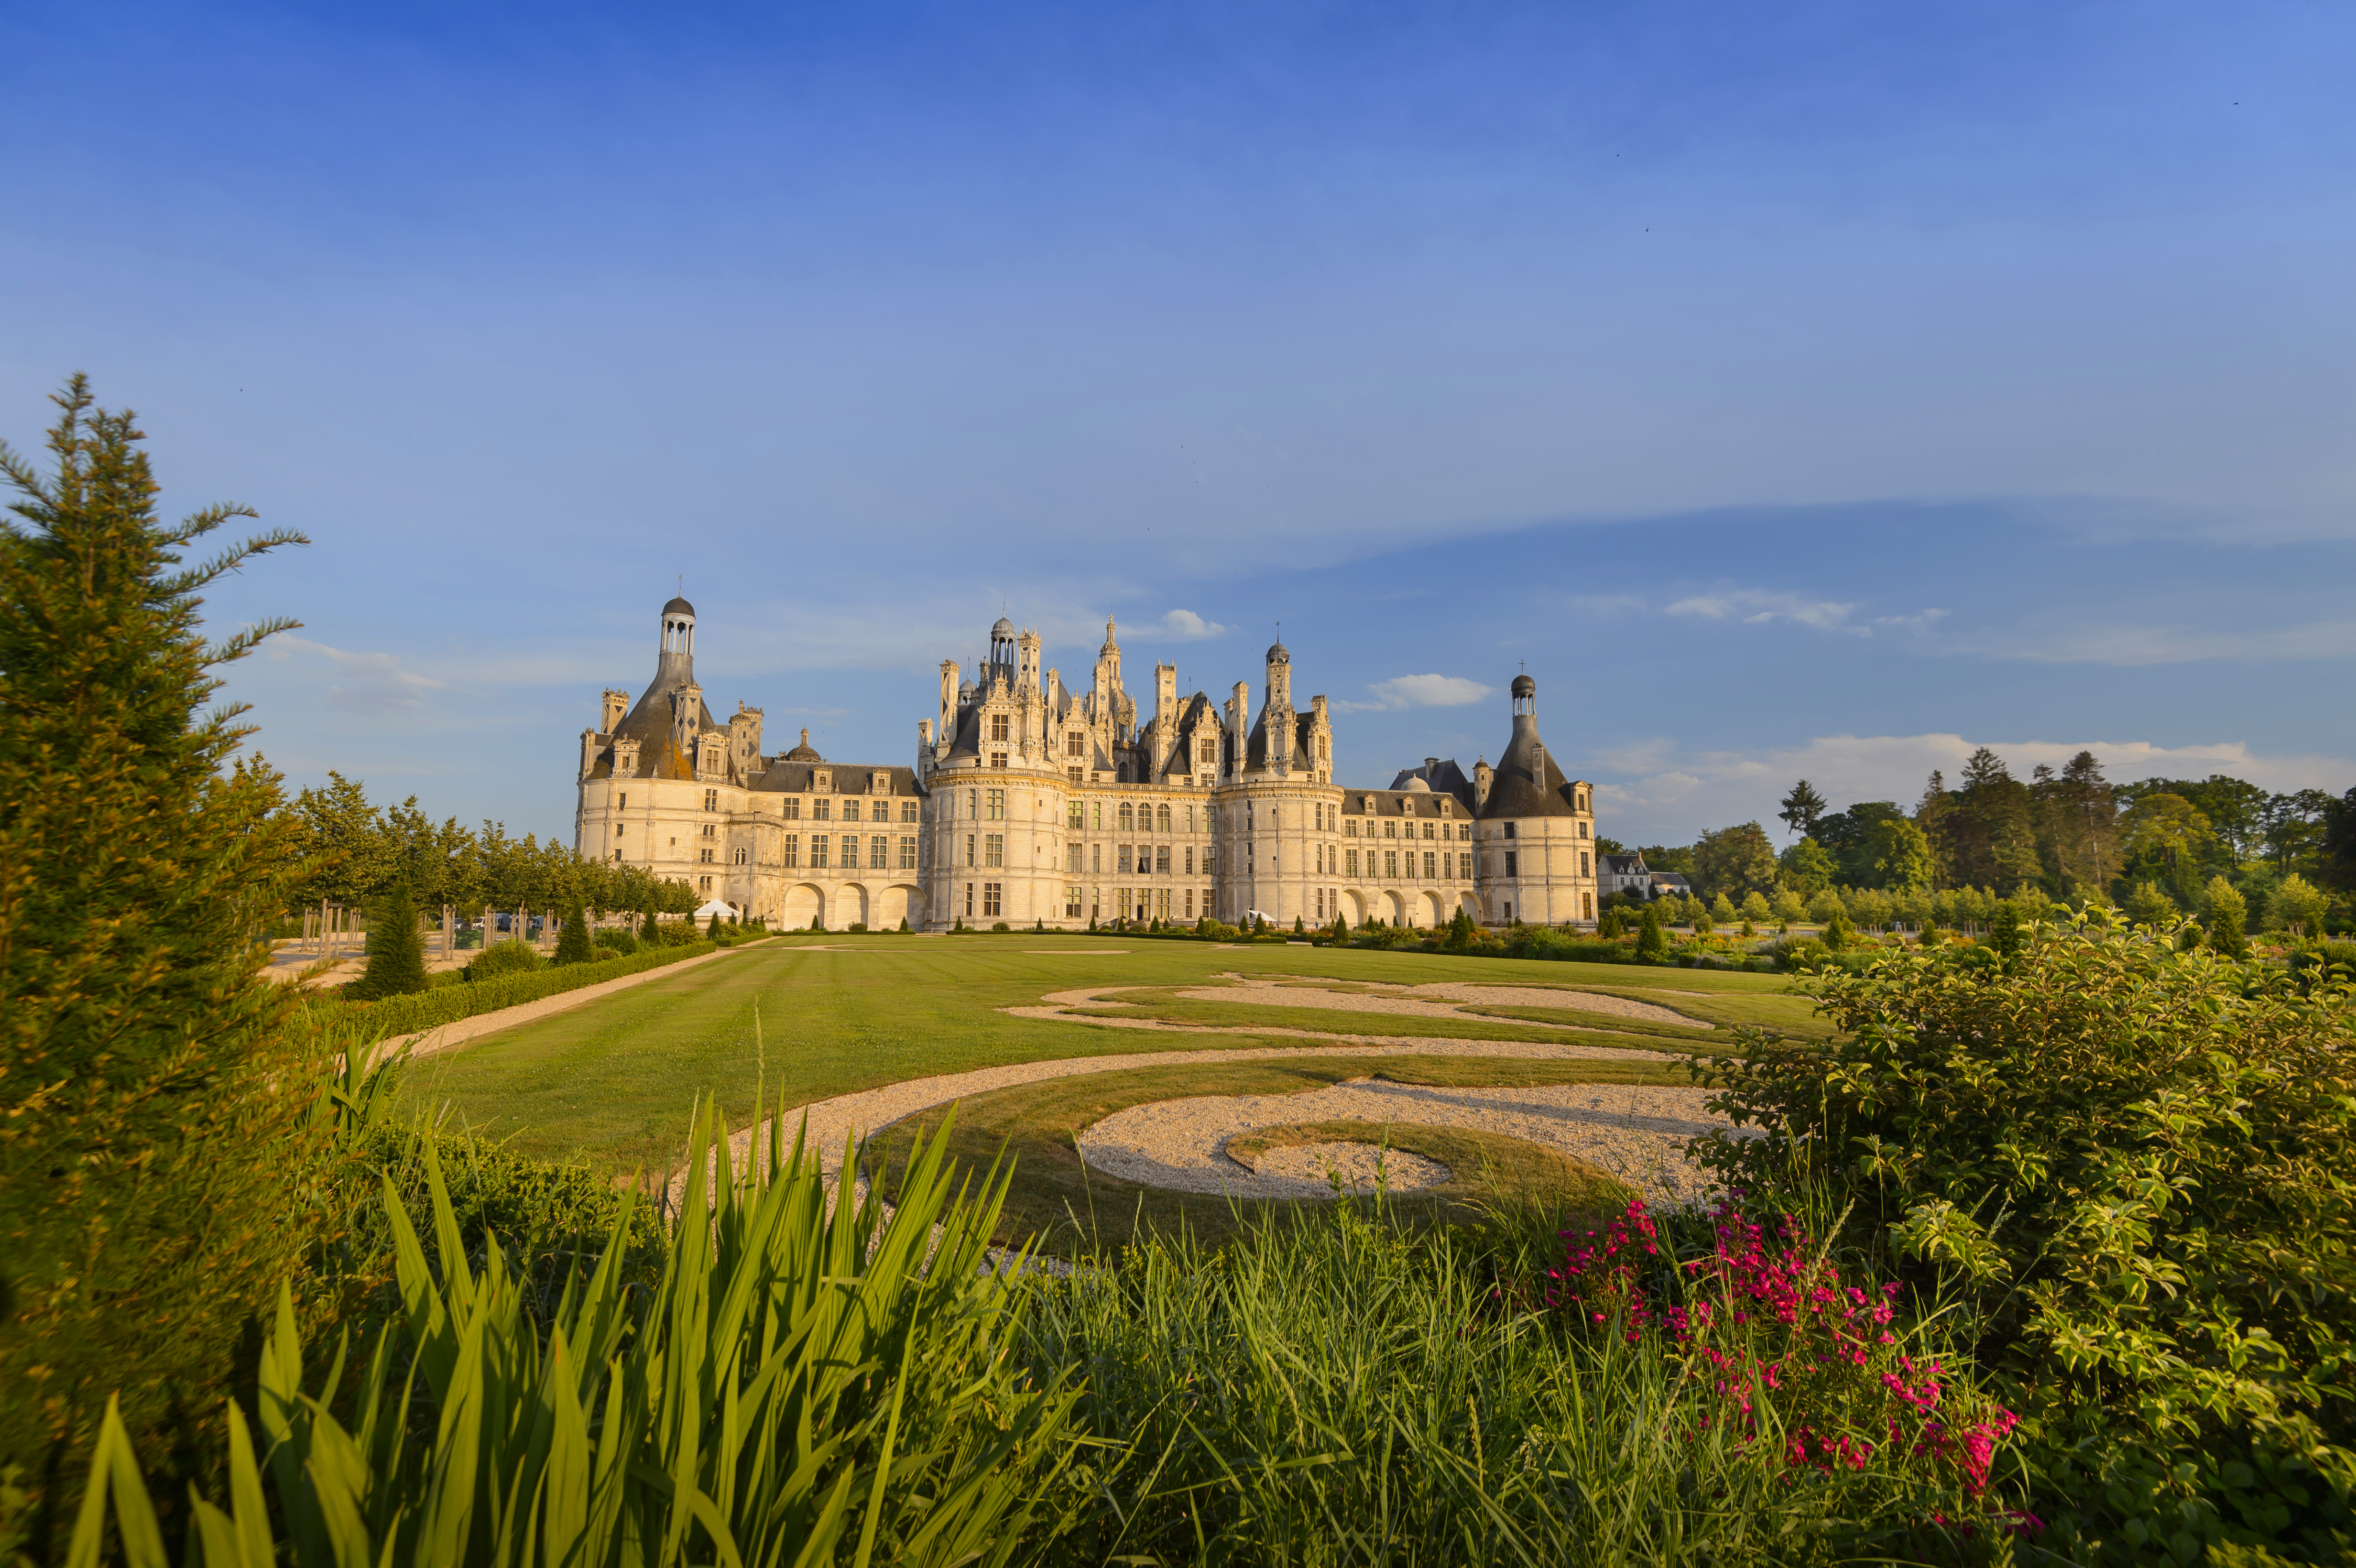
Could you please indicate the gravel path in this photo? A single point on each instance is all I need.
(1360, 1169)
(1637, 1133)
(1435, 1000)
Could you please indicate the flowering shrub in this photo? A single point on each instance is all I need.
(2127, 1163)
(1766, 1323)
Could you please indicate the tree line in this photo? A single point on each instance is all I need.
(340, 848)
(2070, 835)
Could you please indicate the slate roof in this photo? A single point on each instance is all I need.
(1526, 783)
(1402, 803)
(1442, 777)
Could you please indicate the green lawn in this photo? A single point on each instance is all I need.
(1063, 1208)
(614, 1079)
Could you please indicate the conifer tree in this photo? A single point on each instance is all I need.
(2228, 919)
(1609, 926)
(152, 1118)
(711, 931)
(1652, 943)
(396, 965)
(573, 945)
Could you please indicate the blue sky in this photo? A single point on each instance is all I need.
(1808, 389)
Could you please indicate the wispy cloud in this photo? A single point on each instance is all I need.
(2136, 645)
(1419, 691)
(370, 683)
(1757, 607)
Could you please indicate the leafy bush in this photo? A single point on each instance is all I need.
(2132, 1163)
(572, 945)
(616, 941)
(807, 1382)
(504, 958)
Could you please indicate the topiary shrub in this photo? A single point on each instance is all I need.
(573, 944)
(396, 964)
(504, 959)
(858, 927)
(1651, 942)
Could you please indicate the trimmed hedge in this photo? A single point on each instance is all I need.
(448, 1004)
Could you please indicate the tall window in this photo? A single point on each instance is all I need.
(821, 809)
(1072, 775)
(1128, 816)
(969, 848)
(1123, 866)
(1464, 866)
(1072, 857)
(1071, 903)
(998, 805)
(1350, 864)
(1428, 873)
(1161, 819)
(879, 853)
(1076, 745)
(712, 800)
(998, 726)
(1582, 863)
(1162, 859)
(1464, 830)
(792, 846)
(1390, 829)
(704, 855)
(1510, 864)
(1390, 864)
(1190, 859)
(818, 851)
(972, 802)
(907, 811)
(741, 857)
(622, 801)
(993, 850)
(1076, 815)
(619, 829)
(851, 811)
(792, 809)
(1096, 857)
(1190, 904)
(992, 905)
(907, 851)
(996, 759)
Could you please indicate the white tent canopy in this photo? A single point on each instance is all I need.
(725, 910)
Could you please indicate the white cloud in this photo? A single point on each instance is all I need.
(1185, 627)
(1664, 794)
(1419, 691)
(369, 684)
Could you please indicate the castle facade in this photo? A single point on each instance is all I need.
(1031, 802)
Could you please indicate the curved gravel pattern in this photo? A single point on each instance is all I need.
(862, 1115)
(1637, 1133)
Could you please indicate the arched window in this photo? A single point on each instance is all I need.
(1128, 816)
(1161, 819)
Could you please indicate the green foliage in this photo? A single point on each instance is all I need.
(2130, 1163)
(807, 1382)
(573, 945)
(711, 931)
(614, 940)
(1609, 928)
(2227, 916)
(2298, 906)
(1755, 907)
(1826, 907)
(1340, 1390)
(515, 958)
(1839, 932)
(396, 964)
(1789, 906)
(1651, 942)
(1898, 855)
(2150, 905)
(1805, 867)
(1734, 860)
(1722, 909)
(154, 1154)
(1697, 916)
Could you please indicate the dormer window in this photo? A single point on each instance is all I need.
(998, 727)
(821, 780)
